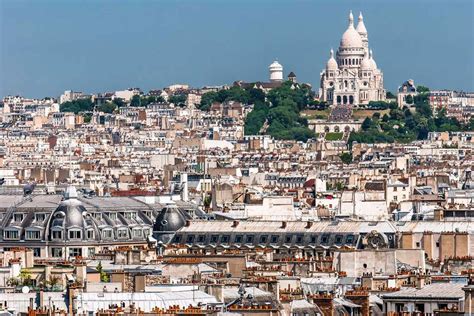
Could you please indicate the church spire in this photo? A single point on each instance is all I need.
(351, 18)
(361, 26)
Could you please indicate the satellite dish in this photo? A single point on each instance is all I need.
(25, 290)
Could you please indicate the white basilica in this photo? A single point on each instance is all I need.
(352, 77)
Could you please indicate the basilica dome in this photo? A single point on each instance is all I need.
(351, 38)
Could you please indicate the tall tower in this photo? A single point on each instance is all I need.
(276, 72)
(363, 32)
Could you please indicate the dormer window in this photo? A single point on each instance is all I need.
(122, 233)
(75, 234)
(57, 234)
(18, 217)
(40, 217)
(137, 233)
(130, 215)
(11, 234)
(33, 235)
(107, 234)
(90, 234)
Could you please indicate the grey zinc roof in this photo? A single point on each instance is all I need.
(450, 291)
(291, 226)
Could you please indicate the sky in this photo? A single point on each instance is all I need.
(48, 46)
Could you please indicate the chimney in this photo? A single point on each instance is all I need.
(184, 190)
(188, 223)
(420, 281)
(235, 224)
(283, 224)
(309, 224)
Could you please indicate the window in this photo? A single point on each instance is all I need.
(112, 216)
(57, 252)
(36, 252)
(107, 234)
(177, 239)
(325, 239)
(75, 252)
(288, 239)
(275, 239)
(90, 234)
(18, 217)
(75, 234)
(214, 238)
(417, 244)
(263, 239)
(33, 235)
(395, 198)
(91, 251)
(225, 239)
(122, 233)
(40, 217)
(249, 239)
(349, 239)
(189, 239)
(57, 234)
(11, 234)
(130, 215)
(299, 239)
(97, 216)
(137, 233)
(238, 238)
(338, 239)
(201, 238)
(314, 238)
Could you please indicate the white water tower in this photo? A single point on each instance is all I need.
(276, 72)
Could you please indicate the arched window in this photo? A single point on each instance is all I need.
(326, 128)
(336, 129)
(351, 99)
(338, 99)
(345, 83)
(344, 99)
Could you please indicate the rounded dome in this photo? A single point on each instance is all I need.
(168, 222)
(332, 63)
(372, 61)
(366, 64)
(70, 213)
(351, 38)
(170, 219)
(275, 66)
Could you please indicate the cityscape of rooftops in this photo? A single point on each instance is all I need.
(254, 158)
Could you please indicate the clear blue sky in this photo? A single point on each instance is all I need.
(92, 46)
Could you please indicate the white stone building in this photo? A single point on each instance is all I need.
(352, 77)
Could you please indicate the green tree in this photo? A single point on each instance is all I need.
(346, 158)
(409, 99)
(77, 106)
(422, 89)
(104, 277)
(367, 124)
(135, 101)
(178, 99)
(107, 107)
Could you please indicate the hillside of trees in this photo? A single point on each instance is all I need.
(407, 124)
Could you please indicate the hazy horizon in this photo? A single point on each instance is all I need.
(94, 46)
